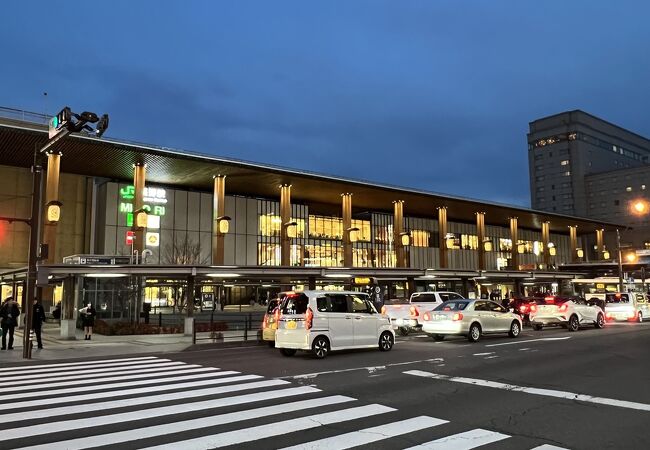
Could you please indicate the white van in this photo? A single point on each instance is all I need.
(320, 321)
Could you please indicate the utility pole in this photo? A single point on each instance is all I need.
(61, 125)
(620, 261)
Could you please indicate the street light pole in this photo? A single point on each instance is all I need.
(620, 261)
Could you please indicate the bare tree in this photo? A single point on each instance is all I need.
(184, 252)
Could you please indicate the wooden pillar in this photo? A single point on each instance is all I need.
(480, 231)
(346, 200)
(218, 210)
(546, 234)
(573, 238)
(600, 246)
(398, 229)
(51, 195)
(285, 216)
(139, 175)
(442, 235)
(514, 238)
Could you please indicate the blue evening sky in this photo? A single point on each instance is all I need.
(426, 94)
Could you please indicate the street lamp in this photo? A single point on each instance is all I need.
(487, 244)
(53, 211)
(405, 238)
(521, 248)
(223, 224)
(292, 229)
(631, 257)
(580, 253)
(141, 218)
(639, 207)
(353, 234)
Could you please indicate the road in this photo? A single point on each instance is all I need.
(544, 390)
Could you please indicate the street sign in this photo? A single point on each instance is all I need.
(58, 122)
(130, 237)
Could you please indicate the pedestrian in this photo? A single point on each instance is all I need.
(57, 311)
(88, 320)
(9, 313)
(38, 317)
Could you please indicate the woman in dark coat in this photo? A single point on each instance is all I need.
(88, 314)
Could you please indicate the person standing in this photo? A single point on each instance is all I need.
(38, 317)
(9, 313)
(88, 320)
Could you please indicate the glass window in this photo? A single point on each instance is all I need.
(505, 245)
(564, 162)
(452, 306)
(481, 306)
(420, 238)
(492, 306)
(469, 241)
(295, 304)
(363, 235)
(359, 305)
(338, 303)
(321, 304)
(424, 297)
(271, 225)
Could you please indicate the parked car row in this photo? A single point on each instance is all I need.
(323, 321)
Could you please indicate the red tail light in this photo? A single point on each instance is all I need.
(523, 308)
(608, 316)
(264, 322)
(414, 311)
(456, 317)
(549, 299)
(563, 307)
(309, 318)
(383, 310)
(426, 316)
(277, 314)
(533, 308)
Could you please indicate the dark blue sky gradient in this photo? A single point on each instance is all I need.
(430, 94)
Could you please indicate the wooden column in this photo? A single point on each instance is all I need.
(51, 195)
(546, 235)
(480, 231)
(139, 175)
(218, 210)
(573, 238)
(514, 238)
(398, 228)
(600, 246)
(346, 205)
(285, 216)
(442, 234)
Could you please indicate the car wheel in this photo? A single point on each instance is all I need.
(438, 337)
(574, 323)
(639, 317)
(320, 347)
(386, 341)
(271, 344)
(515, 329)
(288, 351)
(537, 327)
(474, 332)
(600, 321)
(404, 331)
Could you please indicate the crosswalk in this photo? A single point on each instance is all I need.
(157, 403)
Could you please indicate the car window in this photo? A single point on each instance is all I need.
(321, 304)
(424, 297)
(272, 305)
(455, 296)
(295, 304)
(452, 306)
(617, 298)
(359, 305)
(496, 307)
(481, 306)
(338, 303)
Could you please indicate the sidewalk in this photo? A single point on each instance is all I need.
(56, 348)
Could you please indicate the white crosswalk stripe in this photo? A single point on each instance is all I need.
(162, 404)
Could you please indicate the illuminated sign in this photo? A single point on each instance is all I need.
(152, 239)
(154, 199)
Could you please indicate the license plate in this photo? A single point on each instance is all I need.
(440, 317)
(292, 325)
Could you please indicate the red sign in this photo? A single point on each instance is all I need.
(130, 236)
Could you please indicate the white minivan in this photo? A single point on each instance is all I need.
(320, 321)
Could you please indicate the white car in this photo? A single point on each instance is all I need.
(408, 316)
(628, 306)
(568, 312)
(471, 318)
(320, 321)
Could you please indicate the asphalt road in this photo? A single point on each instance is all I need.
(584, 390)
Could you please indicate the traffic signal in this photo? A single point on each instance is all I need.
(59, 121)
(102, 125)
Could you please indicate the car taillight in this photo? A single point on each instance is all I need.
(533, 308)
(277, 315)
(608, 315)
(414, 311)
(264, 322)
(523, 308)
(563, 307)
(383, 310)
(309, 318)
(549, 299)
(457, 316)
(426, 316)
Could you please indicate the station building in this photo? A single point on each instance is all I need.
(239, 230)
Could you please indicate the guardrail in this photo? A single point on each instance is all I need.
(227, 328)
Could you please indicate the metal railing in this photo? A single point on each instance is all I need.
(227, 328)
(25, 116)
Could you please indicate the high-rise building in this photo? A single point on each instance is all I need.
(584, 166)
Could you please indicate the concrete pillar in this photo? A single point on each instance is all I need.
(285, 216)
(514, 238)
(398, 228)
(573, 242)
(69, 304)
(311, 283)
(600, 246)
(546, 235)
(218, 210)
(480, 231)
(139, 175)
(442, 234)
(51, 195)
(346, 205)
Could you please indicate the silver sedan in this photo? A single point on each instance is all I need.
(471, 318)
